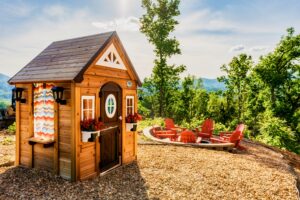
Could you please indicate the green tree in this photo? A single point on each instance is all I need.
(274, 131)
(157, 24)
(186, 105)
(147, 106)
(279, 71)
(237, 80)
(3, 104)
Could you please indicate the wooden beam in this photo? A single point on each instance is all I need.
(135, 133)
(17, 159)
(31, 121)
(56, 138)
(77, 102)
(97, 155)
(75, 135)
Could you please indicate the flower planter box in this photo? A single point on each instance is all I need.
(86, 135)
(131, 126)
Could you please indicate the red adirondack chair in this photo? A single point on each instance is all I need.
(233, 137)
(187, 137)
(161, 134)
(207, 129)
(170, 125)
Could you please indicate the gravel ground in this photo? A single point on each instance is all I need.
(7, 148)
(168, 172)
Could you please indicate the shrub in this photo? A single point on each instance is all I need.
(219, 127)
(12, 128)
(195, 123)
(275, 132)
(7, 141)
(149, 122)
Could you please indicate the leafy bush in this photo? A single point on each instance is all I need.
(219, 127)
(275, 132)
(149, 122)
(12, 128)
(195, 123)
(4, 104)
(7, 141)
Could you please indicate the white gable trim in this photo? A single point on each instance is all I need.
(111, 58)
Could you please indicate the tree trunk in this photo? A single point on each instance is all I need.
(239, 103)
(161, 91)
(273, 98)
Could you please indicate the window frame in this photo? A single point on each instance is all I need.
(108, 114)
(88, 97)
(133, 105)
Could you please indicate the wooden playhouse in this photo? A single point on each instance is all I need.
(89, 77)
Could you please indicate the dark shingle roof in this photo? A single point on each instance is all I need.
(64, 60)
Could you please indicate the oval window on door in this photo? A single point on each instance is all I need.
(110, 106)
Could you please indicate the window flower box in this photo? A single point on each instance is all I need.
(89, 136)
(131, 121)
(90, 129)
(131, 126)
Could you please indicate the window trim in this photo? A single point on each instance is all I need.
(133, 105)
(88, 97)
(110, 115)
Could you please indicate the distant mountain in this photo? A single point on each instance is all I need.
(5, 88)
(209, 84)
(213, 84)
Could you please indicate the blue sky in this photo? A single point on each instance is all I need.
(210, 32)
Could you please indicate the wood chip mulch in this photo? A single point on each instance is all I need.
(7, 149)
(167, 172)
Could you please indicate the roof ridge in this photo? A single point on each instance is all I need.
(86, 36)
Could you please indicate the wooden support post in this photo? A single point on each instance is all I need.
(135, 133)
(31, 123)
(97, 154)
(75, 133)
(17, 159)
(56, 139)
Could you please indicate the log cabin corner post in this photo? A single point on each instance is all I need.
(98, 81)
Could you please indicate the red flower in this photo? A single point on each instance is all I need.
(91, 125)
(133, 118)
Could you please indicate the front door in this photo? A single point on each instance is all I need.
(110, 138)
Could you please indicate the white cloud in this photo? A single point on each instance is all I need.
(15, 10)
(205, 21)
(259, 48)
(54, 10)
(205, 35)
(122, 24)
(236, 48)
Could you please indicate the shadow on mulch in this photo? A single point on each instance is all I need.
(125, 182)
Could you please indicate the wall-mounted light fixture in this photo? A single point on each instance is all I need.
(58, 95)
(17, 94)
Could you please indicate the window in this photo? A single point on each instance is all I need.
(87, 107)
(129, 105)
(110, 106)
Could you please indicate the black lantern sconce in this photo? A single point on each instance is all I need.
(58, 95)
(17, 95)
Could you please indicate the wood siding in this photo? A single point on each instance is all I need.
(44, 157)
(65, 133)
(24, 131)
(94, 78)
